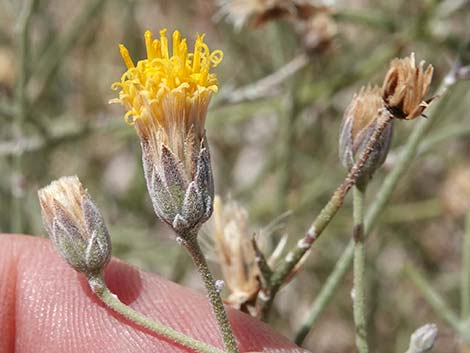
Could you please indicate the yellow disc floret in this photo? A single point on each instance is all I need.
(176, 77)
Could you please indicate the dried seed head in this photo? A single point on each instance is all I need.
(405, 87)
(258, 12)
(358, 125)
(166, 96)
(318, 32)
(423, 339)
(235, 252)
(75, 225)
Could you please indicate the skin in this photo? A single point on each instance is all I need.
(45, 306)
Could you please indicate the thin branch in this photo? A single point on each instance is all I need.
(53, 57)
(359, 272)
(265, 87)
(465, 300)
(328, 212)
(433, 298)
(24, 22)
(375, 210)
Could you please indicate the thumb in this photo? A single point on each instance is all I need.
(47, 307)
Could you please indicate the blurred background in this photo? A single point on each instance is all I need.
(289, 70)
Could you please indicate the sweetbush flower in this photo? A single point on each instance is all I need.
(405, 87)
(235, 252)
(359, 123)
(166, 96)
(312, 20)
(75, 225)
(244, 256)
(258, 12)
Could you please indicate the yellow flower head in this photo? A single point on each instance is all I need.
(166, 96)
(170, 88)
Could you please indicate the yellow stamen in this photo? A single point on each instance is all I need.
(149, 45)
(176, 43)
(126, 57)
(164, 44)
(154, 88)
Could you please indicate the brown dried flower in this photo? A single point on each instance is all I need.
(235, 252)
(358, 125)
(75, 225)
(405, 87)
(318, 32)
(258, 12)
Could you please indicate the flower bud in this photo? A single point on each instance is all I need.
(166, 96)
(358, 125)
(180, 198)
(405, 87)
(423, 339)
(75, 225)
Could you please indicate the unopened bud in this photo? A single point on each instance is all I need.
(358, 125)
(75, 225)
(181, 188)
(423, 339)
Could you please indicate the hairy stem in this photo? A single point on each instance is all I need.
(359, 267)
(112, 301)
(217, 305)
(381, 199)
(326, 215)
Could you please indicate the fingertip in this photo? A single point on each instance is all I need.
(51, 308)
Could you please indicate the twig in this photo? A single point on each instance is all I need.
(192, 245)
(371, 19)
(465, 300)
(53, 57)
(434, 299)
(453, 131)
(374, 211)
(35, 143)
(113, 302)
(24, 22)
(265, 87)
(326, 215)
(288, 117)
(359, 268)
(326, 294)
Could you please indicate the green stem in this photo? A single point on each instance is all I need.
(112, 301)
(54, 56)
(359, 267)
(218, 308)
(325, 296)
(466, 271)
(24, 23)
(324, 218)
(288, 117)
(382, 197)
(434, 299)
